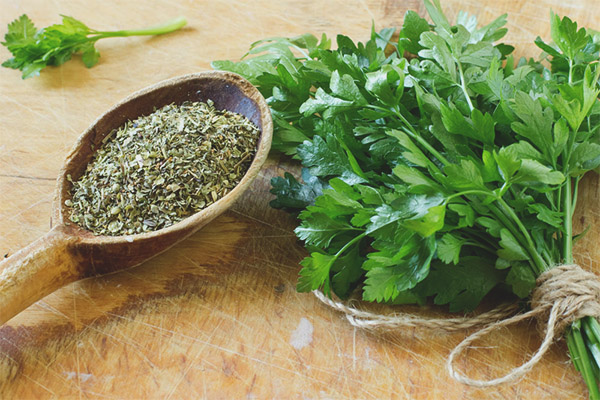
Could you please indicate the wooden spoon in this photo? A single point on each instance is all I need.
(68, 253)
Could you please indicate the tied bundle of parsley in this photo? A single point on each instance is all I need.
(435, 166)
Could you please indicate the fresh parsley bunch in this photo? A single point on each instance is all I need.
(435, 166)
(34, 49)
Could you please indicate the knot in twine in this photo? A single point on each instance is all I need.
(563, 294)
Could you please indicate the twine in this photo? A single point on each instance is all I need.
(563, 294)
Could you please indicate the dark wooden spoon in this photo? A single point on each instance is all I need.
(67, 252)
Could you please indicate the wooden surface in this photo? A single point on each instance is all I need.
(217, 316)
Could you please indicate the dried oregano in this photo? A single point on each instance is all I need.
(158, 169)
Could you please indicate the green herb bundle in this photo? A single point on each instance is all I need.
(435, 166)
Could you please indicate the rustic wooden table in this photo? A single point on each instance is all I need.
(218, 316)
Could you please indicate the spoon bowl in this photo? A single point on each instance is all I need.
(68, 252)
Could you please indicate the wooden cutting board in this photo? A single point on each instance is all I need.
(218, 316)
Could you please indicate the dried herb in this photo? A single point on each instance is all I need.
(158, 169)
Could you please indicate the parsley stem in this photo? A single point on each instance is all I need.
(475, 243)
(347, 246)
(464, 87)
(592, 342)
(353, 163)
(585, 362)
(413, 134)
(594, 328)
(167, 27)
(568, 224)
(575, 358)
(570, 71)
(529, 245)
(410, 131)
(466, 192)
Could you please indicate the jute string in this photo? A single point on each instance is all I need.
(563, 294)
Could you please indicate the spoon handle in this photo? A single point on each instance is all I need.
(36, 271)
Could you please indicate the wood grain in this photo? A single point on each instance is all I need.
(217, 316)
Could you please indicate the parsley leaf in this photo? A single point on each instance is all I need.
(461, 286)
(294, 195)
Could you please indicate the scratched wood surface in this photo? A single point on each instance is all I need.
(217, 316)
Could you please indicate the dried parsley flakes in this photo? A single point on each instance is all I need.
(161, 168)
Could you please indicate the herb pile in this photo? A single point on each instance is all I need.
(34, 49)
(161, 168)
(435, 166)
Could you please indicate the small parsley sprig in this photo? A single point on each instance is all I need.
(435, 167)
(34, 49)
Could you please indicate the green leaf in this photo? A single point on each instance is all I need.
(33, 69)
(466, 213)
(250, 69)
(567, 37)
(318, 229)
(437, 15)
(410, 207)
(435, 48)
(325, 104)
(585, 157)
(347, 272)
(418, 180)
(327, 158)
(570, 110)
(521, 279)
(479, 54)
(462, 286)
(383, 37)
(370, 195)
(590, 89)
(412, 154)
(12, 63)
(412, 28)
(70, 26)
(90, 55)
(287, 137)
(553, 51)
(465, 176)
(292, 194)
(536, 125)
(479, 127)
(533, 172)
(315, 273)
(385, 215)
(495, 80)
(428, 224)
(19, 31)
(344, 87)
(546, 215)
(511, 249)
(520, 150)
(483, 124)
(508, 161)
(448, 248)
(387, 84)
(389, 275)
(342, 193)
